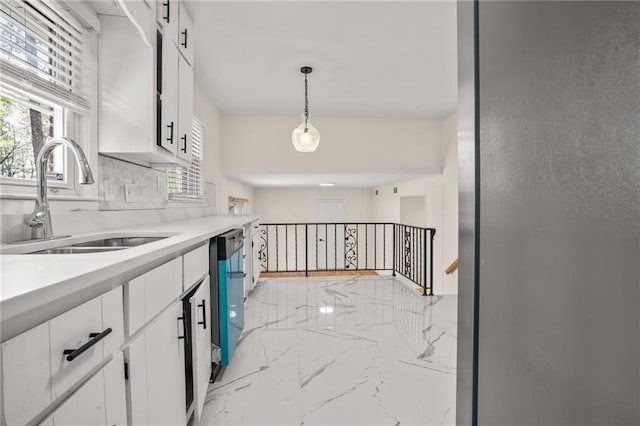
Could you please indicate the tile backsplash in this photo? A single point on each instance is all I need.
(127, 186)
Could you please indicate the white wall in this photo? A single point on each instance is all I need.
(387, 208)
(346, 146)
(449, 135)
(207, 112)
(440, 192)
(413, 210)
(280, 205)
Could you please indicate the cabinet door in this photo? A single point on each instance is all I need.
(137, 383)
(86, 407)
(257, 267)
(169, 107)
(201, 350)
(167, 16)
(166, 369)
(185, 38)
(100, 401)
(185, 104)
(26, 376)
(114, 392)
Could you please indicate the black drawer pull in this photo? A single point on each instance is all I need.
(185, 38)
(170, 138)
(167, 5)
(184, 336)
(95, 338)
(184, 139)
(204, 314)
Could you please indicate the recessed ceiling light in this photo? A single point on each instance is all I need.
(327, 184)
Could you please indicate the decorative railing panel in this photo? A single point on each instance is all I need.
(309, 247)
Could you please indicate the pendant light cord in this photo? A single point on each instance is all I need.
(306, 102)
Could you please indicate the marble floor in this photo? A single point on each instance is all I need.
(340, 351)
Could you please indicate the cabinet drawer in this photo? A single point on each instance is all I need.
(35, 369)
(71, 330)
(148, 294)
(196, 265)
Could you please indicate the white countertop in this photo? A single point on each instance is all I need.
(36, 287)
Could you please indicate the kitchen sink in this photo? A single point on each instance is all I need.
(119, 242)
(105, 244)
(77, 250)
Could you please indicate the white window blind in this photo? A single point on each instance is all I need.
(43, 52)
(187, 183)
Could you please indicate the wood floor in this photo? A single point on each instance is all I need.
(316, 274)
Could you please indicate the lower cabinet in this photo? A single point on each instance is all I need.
(156, 371)
(100, 401)
(201, 344)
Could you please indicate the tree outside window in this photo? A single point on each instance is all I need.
(23, 131)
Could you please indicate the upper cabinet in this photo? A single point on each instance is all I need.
(146, 83)
(168, 17)
(185, 36)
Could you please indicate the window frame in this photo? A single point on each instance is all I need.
(82, 127)
(181, 198)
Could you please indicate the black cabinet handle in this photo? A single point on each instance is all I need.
(166, 4)
(184, 33)
(184, 139)
(95, 338)
(170, 138)
(204, 314)
(184, 336)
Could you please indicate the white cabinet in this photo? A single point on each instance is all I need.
(185, 37)
(185, 104)
(256, 246)
(156, 371)
(42, 364)
(100, 401)
(147, 295)
(73, 330)
(26, 375)
(168, 16)
(139, 85)
(201, 350)
(169, 98)
(195, 265)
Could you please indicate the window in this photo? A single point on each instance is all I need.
(43, 85)
(186, 183)
(24, 128)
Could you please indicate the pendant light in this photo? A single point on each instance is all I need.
(305, 137)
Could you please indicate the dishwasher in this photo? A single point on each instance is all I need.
(227, 289)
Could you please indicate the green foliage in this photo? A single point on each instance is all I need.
(17, 159)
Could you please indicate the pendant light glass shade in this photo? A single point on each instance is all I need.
(305, 137)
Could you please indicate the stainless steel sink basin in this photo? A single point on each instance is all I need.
(119, 242)
(102, 245)
(77, 250)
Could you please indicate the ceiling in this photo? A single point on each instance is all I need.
(371, 59)
(313, 180)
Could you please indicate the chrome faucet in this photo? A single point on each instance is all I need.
(40, 220)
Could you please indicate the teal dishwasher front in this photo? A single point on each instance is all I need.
(231, 291)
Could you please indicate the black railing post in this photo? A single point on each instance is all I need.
(424, 263)
(394, 248)
(306, 250)
(433, 234)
